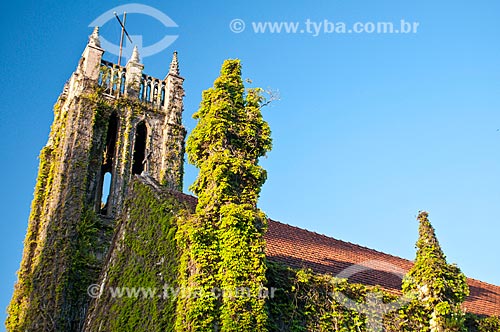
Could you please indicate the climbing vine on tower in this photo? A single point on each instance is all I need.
(223, 243)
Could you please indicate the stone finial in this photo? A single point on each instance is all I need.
(135, 56)
(174, 65)
(94, 38)
(134, 74)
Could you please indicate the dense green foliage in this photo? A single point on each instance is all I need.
(474, 323)
(223, 242)
(143, 266)
(488, 324)
(439, 286)
(305, 301)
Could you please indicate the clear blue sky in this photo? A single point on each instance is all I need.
(370, 128)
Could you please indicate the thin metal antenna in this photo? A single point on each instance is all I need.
(124, 31)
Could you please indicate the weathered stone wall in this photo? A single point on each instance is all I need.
(172, 156)
(45, 297)
(69, 229)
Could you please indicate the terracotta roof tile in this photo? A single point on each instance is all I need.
(299, 248)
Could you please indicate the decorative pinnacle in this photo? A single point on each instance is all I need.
(135, 55)
(94, 38)
(174, 65)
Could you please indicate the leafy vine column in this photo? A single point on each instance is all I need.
(223, 242)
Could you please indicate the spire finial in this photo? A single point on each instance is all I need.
(135, 55)
(174, 65)
(94, 38)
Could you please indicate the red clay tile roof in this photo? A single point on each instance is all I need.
(299, 248)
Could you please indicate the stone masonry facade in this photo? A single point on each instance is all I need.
(111, 122)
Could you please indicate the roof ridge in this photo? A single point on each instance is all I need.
(194, 198)
(483, 282)
(347, 242)
(368, 249)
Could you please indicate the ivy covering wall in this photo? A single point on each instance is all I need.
(139, 282)
(146, 255)
(305, 301)
(60, 244)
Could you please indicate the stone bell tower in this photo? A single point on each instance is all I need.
(110, 123)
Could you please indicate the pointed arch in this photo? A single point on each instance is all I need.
(155, 93)
(141, 90)
(148, 90)
(122, 83)
(140, 157)
(162, 94)
(105, 188)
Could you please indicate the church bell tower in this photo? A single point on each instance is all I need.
(111, 122)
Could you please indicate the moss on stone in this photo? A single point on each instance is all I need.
(142, 273)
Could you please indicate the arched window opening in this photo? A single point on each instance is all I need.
(106, 180)
(122, 84)
(140, 159)
(109, 149)
(100, 79)
(155, 94)
(141, 91)
(107, 81)
(114, 81)
(148, 91)
(162, 96)
(106, 192)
